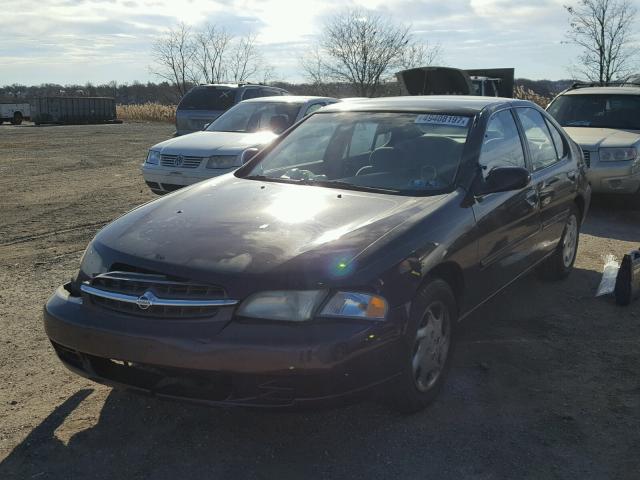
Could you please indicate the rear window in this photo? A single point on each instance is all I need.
(208, 98)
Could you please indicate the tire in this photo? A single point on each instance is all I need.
(430, 341)
(17, 118)
(560, 264)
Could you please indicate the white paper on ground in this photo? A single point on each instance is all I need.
(609, 274)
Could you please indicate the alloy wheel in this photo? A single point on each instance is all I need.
(431, 348)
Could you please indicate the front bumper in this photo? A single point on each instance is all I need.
(615, 177)
(224, 360)
(163, 179)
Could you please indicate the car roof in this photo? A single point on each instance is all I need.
(621, 90)
(288, 99)
(453, 104)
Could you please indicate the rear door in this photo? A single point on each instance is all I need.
(508, 223)
(553, 173)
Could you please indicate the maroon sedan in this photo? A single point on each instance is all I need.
(336, 262)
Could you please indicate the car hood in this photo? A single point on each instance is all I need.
(595, 138)
(287, 235)
(206, 143)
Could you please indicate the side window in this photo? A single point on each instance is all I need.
(268, 92)
(501, 146)
(313, 107)
(362, 138)
(558, 141)
(251, 93)
(543, 152)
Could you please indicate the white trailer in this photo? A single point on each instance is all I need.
(14, 112)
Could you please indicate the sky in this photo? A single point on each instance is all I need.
(80, 41)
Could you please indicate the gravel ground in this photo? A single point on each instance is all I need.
(545, 382)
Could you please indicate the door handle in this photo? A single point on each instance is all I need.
(532, 198)
(572, 175)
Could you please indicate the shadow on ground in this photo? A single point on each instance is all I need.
(529, 396)
(614, 216)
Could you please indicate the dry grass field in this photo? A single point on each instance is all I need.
(527, 94)
(146, 112)
(545, 382)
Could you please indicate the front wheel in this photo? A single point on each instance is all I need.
(17, 118)
(430, 342)
(559, 265)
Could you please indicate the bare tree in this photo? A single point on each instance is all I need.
(268, 73)
(420, 55)
(316, 72)
(361, 48)
(183, 57)
(245, 61)
(603, 28)
(211, 50)
(174, 55)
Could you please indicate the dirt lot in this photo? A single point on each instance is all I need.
(545, 384)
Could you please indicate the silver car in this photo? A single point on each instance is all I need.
(605, 122)
(226, 143)
(204, 103)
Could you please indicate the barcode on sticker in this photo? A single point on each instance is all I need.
(451, 120)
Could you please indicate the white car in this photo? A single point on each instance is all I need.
(605, 122)
(226, 143)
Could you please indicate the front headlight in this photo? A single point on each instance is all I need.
(356, 305)
(91, 263)
(301, 305)
(617, 154)
(291, 305)
(223, 161)
(153, 157)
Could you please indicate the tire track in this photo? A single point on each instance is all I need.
(37, 236)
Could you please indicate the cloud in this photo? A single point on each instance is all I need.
(102, 40)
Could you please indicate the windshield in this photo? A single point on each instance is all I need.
(208, 98)
(250, 117)
(597, 111)
(402, 153)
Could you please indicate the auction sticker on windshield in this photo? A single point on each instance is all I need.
(435, 119)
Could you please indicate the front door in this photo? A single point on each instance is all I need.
(508, 223)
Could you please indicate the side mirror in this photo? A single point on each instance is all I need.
(504, 179)
(206, 125)
(248, 154)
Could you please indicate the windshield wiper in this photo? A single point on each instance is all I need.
(323, 183)
(347, 186)
(264, 178)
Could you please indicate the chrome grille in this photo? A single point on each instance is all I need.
(587, 157)
(156, 296)
(155, 311)
(180, 161)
